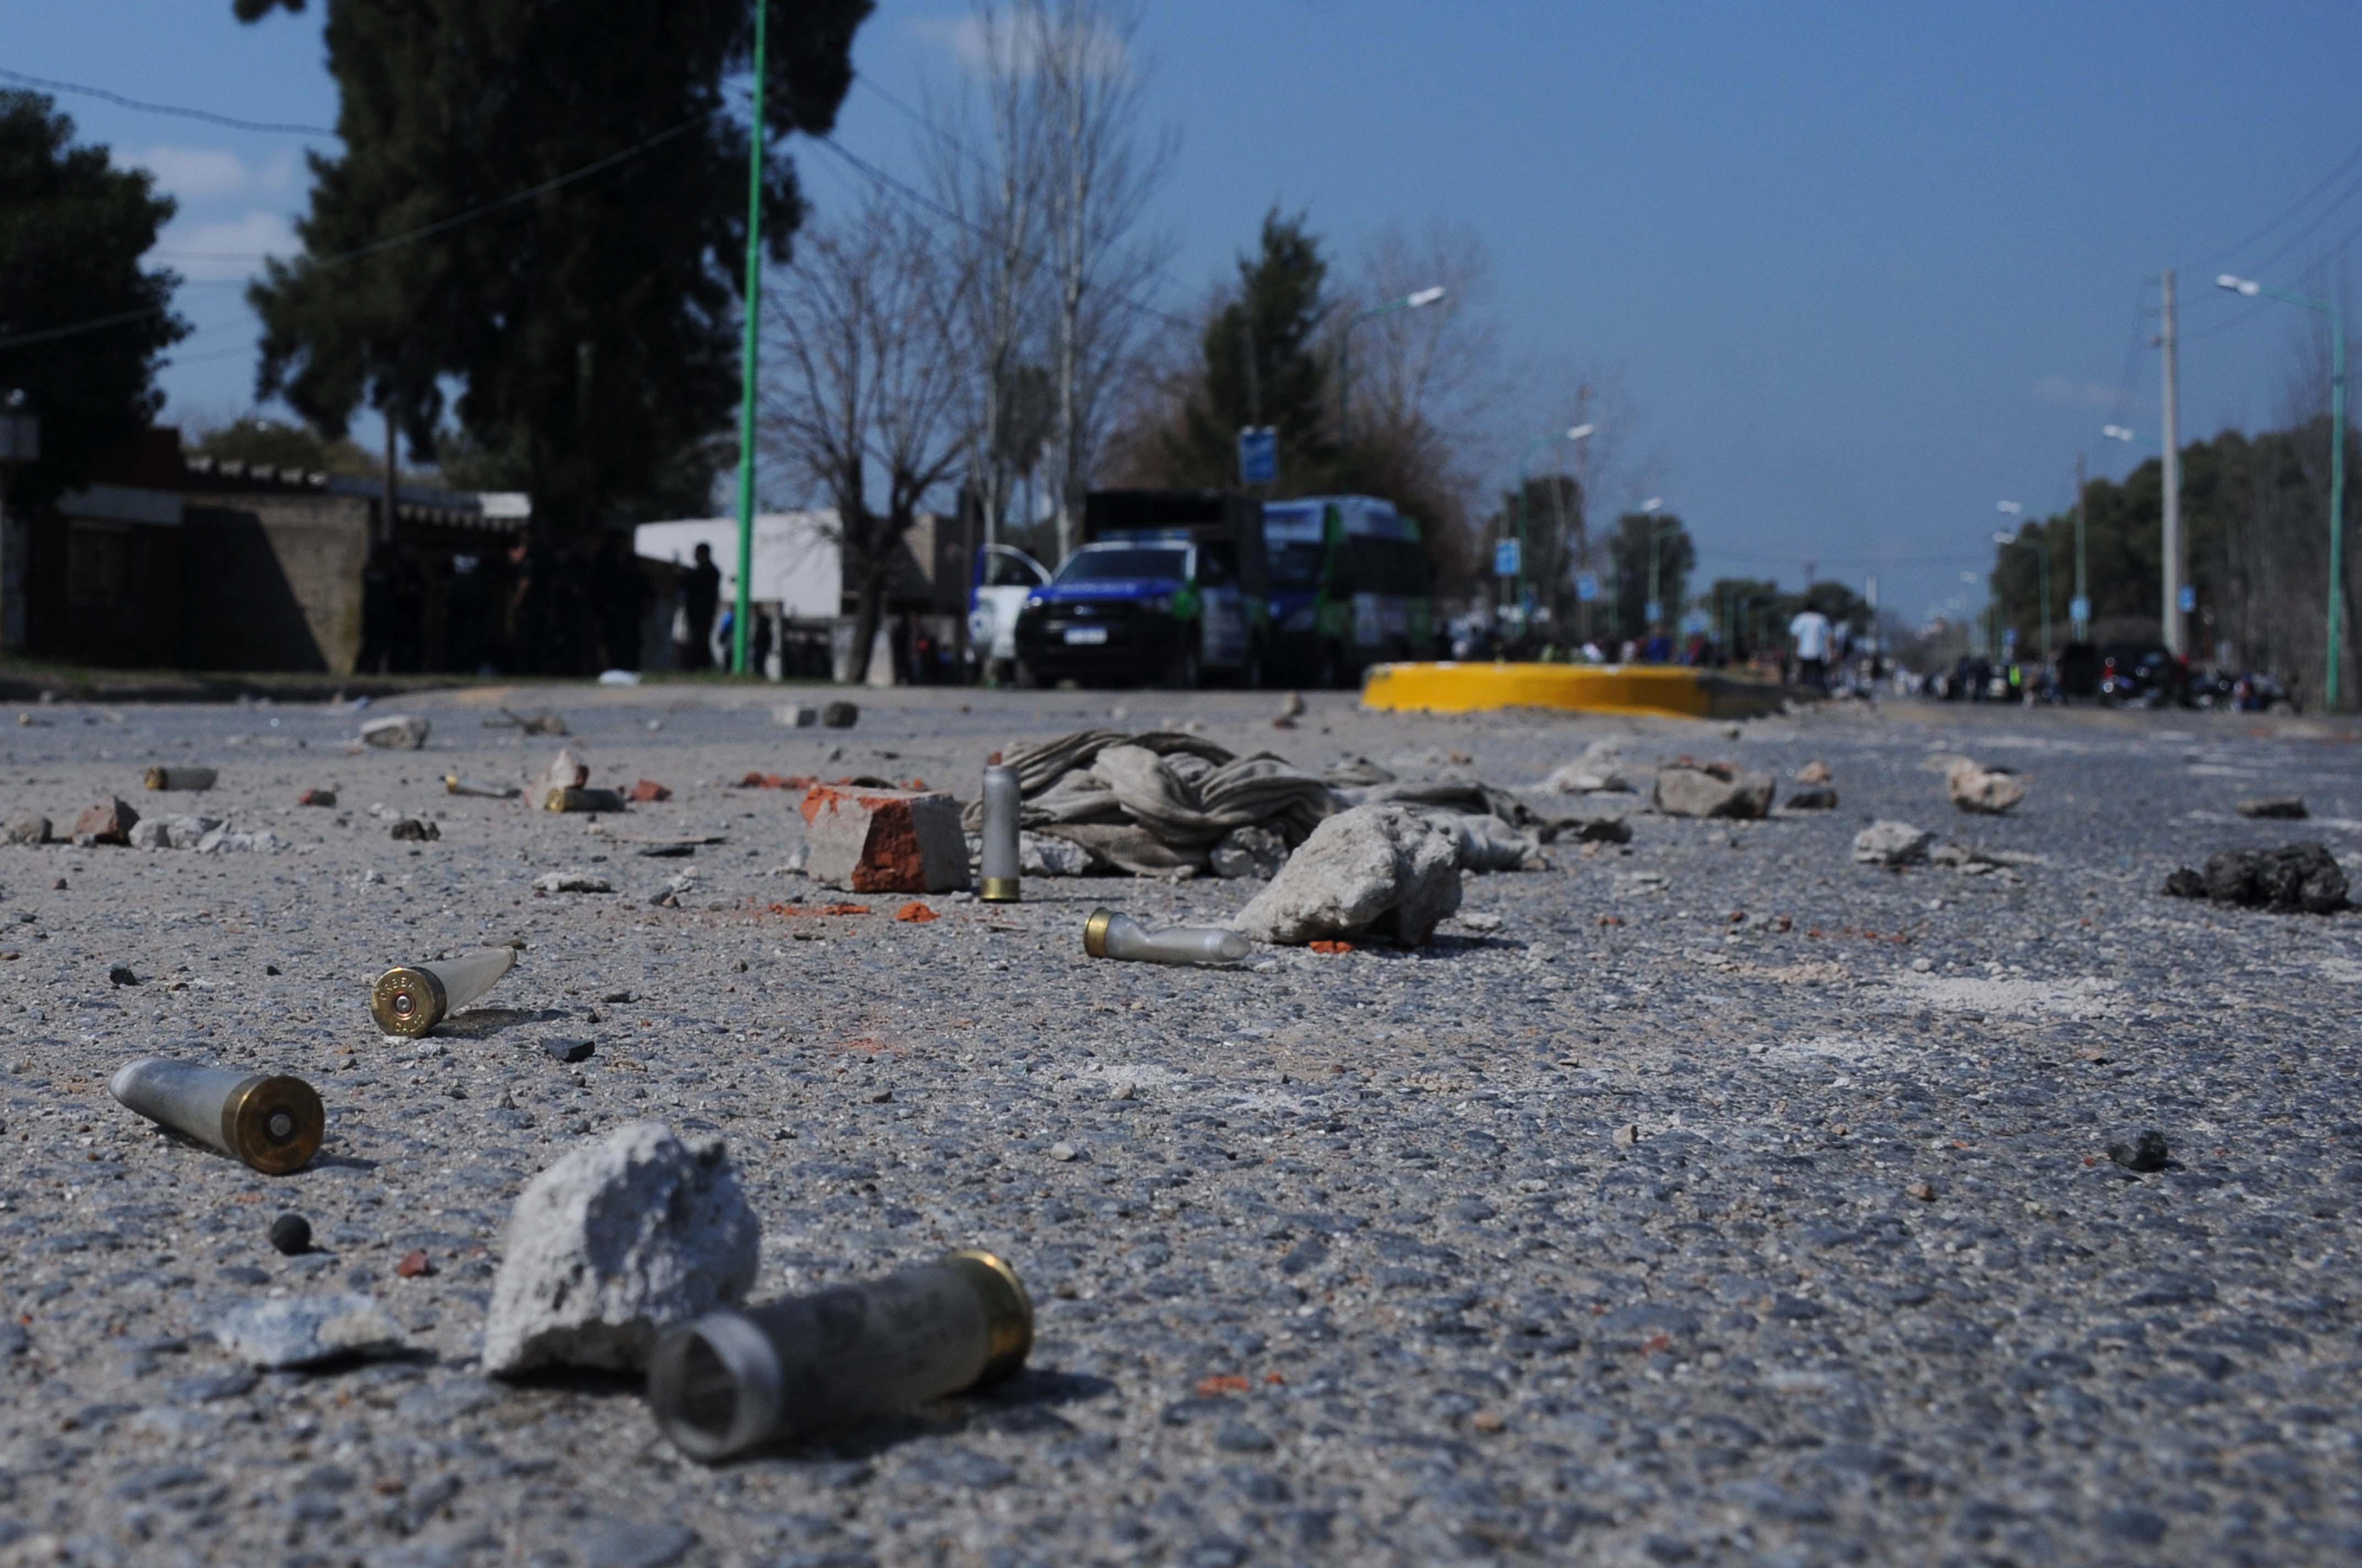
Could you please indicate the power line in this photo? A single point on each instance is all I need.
(408, 237)
(272, 128)
(881, 177)
(2293, 208)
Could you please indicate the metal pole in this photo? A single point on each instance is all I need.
(2042, 550)
(2336, 491)
(2172, 541)
(746, 357)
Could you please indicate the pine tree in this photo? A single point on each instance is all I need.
(593, 328)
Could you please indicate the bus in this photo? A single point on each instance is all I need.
(1350, 587)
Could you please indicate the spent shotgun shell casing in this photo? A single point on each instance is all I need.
(734, 1381)
(413, 998)
(270, 1122)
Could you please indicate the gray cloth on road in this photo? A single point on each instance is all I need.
(1157, 804)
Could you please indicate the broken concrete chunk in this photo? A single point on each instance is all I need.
(571, 882)
(410, 829)
(1986, 790)
(1814, 773)
(1600, 770)
(309, 1330)
(840, 715)
(1890, 844)
(1715, 789)
(317, 798)
(617, 1241)
(796, 715)
(1371, 869)
(565, 772)
(2288, 807)
(647, 792)
(109, 822)
(1249, 852)
(220, 840)
(884, 841)
(395, 732)
(30, 831)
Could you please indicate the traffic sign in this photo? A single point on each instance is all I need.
(1649, 611)
(1586, 587)
(2189, 599)
(1258, 456)
(2079, 609)
(1506, 558)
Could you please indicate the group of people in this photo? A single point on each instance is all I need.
(538, 607)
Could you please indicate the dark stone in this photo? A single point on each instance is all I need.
(292, 1235)
(121, 975)
(1813, 797)
(569, 1051)
(840, 715)
(410, 829)
(2146, 1152)
(2293, 877)
(2286, 807)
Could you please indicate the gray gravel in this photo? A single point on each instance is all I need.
(1709, 1198)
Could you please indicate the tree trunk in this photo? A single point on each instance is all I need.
(868, 612)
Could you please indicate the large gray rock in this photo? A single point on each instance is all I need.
(1600, 770)
(616, 1241)
(395, 732)
(1374, 868)
(34, 830)
(1716, 789)
(309, 1330)
(1890, 844)
(171, 832)
(1986, 790)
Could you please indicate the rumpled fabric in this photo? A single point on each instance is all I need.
(1158, 804)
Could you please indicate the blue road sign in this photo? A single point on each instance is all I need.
(1506, 558)
(2189, 599)
(1258, 456)
(1586, 587)
(2079, 609)
(1649, 611)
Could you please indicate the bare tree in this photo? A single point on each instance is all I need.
(1102, 178)
(992, 182)
(863, 391)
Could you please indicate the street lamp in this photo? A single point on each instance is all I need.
(2337, 314)
(1410, 302)
(2041, 552)
(1577, 433)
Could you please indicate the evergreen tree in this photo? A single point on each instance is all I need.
(594, 327)
(1278, 310)
(72, 229)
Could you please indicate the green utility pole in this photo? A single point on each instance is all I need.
(2337, 314)
(747, 358)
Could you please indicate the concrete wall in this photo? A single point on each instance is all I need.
(274, 581)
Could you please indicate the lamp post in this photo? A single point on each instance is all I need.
(2042, 555)
(747, 351)
(1345, 352)
(2337, 314)
(20, 441)
(1525, 465)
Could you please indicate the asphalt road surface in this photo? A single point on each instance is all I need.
(1709, 1199)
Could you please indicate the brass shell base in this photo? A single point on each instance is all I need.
(1001, 890)
(408, 1000)
(1008, 1309)
(1095, 931)
(274, 1124)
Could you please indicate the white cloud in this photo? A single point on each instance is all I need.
(232, 248)
(2061, 392)
(1017, 48)
(195, 173)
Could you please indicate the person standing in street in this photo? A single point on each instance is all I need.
(700, 594)
(1810, 633)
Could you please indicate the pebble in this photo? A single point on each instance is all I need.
(2146, 1152)
(569, 1051)
(1062, 1152)
(292, 1235)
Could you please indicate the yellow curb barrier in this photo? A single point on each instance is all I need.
(1669, 690)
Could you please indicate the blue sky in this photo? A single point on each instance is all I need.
(1863, 270)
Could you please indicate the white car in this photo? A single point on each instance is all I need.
(1004, 576)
